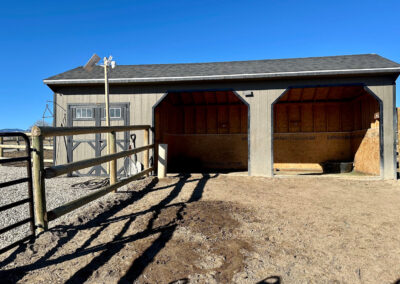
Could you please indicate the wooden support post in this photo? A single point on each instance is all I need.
(113, 163)
(39, 192)
(146, 155)
(1, 149)
(108, 151)
(162, 160)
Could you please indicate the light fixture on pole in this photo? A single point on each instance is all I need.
(107, 62)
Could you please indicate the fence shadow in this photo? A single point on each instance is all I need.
(109, 249)
(271, 280)
(70, 231)
(148, 255)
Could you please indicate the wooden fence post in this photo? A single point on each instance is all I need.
(162, 160)
(1, 149)
(39, 192)
(146, 154)
(113, 164)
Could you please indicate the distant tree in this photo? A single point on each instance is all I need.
(40, 122)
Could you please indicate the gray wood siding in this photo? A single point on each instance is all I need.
(143, 98)
(386, 93)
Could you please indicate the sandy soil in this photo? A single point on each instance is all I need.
(224, 229)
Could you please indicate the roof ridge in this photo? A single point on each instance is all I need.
(253, 60)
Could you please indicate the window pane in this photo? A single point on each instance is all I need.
(84, 113)
(78, 113)
(89, 113)
(117, 112)
(112, 112)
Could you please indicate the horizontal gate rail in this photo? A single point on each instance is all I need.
(8, 228)
(27, 180)
(11, 146)
(38, 134)
(12, 160)
(15, 204)
(14, 182)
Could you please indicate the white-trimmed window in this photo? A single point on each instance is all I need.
(83, 112)
(115, 112)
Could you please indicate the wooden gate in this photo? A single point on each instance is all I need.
(94, 145)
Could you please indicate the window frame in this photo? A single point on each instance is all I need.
(79, 109)
(119, 108)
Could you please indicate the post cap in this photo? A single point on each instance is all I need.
(35, 131)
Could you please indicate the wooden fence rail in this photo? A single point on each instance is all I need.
(70, 206)
(40, 173)
(18, 146)
(82, 164)
(65, 131)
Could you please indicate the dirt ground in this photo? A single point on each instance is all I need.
(224, 229)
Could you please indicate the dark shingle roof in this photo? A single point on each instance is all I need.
(276, 68)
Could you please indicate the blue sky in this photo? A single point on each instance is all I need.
(43, 38)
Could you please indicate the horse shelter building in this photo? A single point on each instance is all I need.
(259, 116)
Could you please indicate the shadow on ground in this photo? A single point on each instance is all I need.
(271, 280)
(105, 251)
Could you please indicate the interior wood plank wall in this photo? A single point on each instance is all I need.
(325, 117)
(224, 119)
(203, 130)
(308, 131)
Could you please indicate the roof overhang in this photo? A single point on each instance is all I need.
(269, 75)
